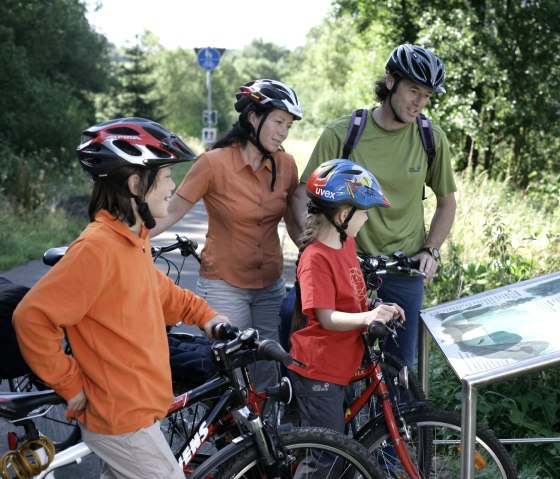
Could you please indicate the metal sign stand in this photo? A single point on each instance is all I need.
(459, 327)
(208, 59)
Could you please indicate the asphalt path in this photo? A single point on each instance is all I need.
(194, 227)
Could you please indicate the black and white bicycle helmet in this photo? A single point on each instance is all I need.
(129, 141)
(418, 65)
(271, 93)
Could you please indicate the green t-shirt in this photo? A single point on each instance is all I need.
(400, 164)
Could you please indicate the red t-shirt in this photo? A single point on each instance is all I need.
(329, 279)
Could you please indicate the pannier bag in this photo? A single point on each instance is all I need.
(12, 364)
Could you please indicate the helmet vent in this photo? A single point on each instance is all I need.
(123, 131)
(326, 171)
(158, 134)
(127, 148)
(157, 152)
(86, 136)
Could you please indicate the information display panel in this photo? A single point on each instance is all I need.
(498, 328)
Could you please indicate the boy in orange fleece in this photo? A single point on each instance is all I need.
(114, 304)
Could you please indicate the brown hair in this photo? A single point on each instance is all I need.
(313, 222)
(380, 89)
(109, 194)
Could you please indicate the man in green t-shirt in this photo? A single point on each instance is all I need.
(391, 148)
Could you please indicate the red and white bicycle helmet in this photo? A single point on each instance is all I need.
(129, 141)
(271, 93)
(419, 65)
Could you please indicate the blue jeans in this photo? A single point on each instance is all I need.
(249, 308)
(408, 293)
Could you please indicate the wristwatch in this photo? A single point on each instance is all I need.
(434, 252)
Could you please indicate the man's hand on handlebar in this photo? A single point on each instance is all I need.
(428, 265)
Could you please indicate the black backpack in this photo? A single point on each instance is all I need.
(358, 122)
(12, 364)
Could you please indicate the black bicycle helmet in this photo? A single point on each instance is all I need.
(269, 93)
(129, 141)
(418, 65)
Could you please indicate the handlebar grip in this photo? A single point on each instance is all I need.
(271, 350)
(54, 255)
(376, 330)
(224, 331)
(414, 263)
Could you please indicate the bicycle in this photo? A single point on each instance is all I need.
(234, 414)
(386, 395)
(407, 437)
(371, 425)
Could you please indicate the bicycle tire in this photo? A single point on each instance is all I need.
(391, 366)
(179, 426)
(53, 423)
(300, 443)
(441, 458)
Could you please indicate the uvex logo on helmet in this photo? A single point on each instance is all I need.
(324, 193)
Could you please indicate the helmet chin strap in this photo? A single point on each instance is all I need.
(266, 154)
(145, 213)
(342, 227)
(143, 208)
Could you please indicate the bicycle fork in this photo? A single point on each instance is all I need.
(391, 421)
(270, 456)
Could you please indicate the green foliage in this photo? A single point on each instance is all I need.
(334, 72)
(525, 407)
(137, 84)
(26, 234)
(50, 58)
(543, 190)
(513, 240)
(184, 85)
(448, 284)
(39, 178)
(501, 108)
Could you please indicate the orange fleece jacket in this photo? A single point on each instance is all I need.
(114, 304)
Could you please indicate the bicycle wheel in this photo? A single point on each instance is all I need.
(51, 421)
(401, 390)
(311, 453)
(179, 426)
(440, 456)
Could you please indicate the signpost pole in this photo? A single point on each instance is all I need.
(209, 89)
(208, 59)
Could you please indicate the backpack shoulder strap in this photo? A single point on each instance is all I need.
(427, 137)
(355, 128)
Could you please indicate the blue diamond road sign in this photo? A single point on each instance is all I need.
(208, 59)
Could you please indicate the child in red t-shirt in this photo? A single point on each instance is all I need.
(333, 293)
